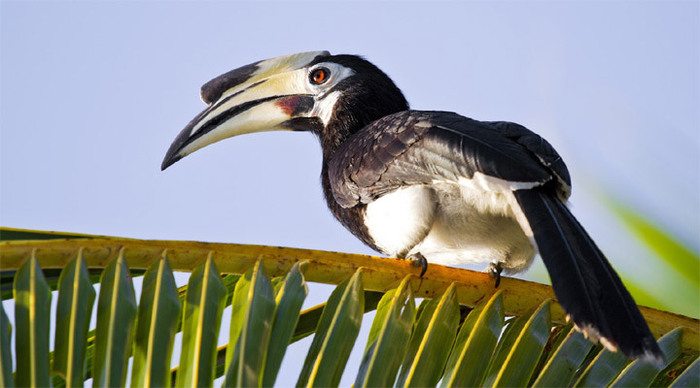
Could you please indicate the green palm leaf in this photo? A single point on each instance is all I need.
(75, 299)
(335, 335)
(388, 338)
(432, 337)
(6, 379)
(288, 304)
(254, 295)
(603, 369)
(642, 373)
(204, 305)
(475, 344)
(406, 346)
(158, 312)
(690, 377)
(565, 360)
(32, 308)
(116, 313)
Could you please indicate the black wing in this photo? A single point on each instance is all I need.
(417, 147)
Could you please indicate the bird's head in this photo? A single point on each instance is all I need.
(332, 96)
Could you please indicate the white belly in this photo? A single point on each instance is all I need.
(399, 220)
(450, 224)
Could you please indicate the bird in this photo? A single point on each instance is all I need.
(429, 186)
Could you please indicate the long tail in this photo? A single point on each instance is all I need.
(586, 286)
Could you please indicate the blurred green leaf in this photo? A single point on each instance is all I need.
(204, 305)
(74, 310)
(335, 335)
(641, 293)
(475, 344)
(430, 342)
(675, 254)
(158, 314)
(32, 317)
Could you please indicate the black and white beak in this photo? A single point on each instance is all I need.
(269, 95)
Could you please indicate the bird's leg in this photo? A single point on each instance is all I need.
(418, 260)
(495, 270)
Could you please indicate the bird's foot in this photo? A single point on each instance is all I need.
(495, 270)
(418, 260)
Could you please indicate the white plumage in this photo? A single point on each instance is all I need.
(473, 221)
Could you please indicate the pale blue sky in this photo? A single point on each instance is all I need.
(92, 94)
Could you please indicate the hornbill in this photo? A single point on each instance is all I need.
(430, 186)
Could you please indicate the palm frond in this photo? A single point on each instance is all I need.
(511, 336)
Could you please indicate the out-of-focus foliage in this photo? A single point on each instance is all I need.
(673, 254)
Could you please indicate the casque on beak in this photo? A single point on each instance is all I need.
(263, 96)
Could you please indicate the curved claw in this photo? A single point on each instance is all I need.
(418, 260)
(495, 270)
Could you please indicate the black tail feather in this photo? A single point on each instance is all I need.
(585, 284)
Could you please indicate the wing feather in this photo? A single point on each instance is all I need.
(421, 147)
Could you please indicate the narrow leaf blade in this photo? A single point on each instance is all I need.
(310, 317)
(426, 366)
(603, 369)
(475, 344)
(204, 305)
(565, 360)
(289, 301)
(522, 358)
(388, 338)
(239, 308)
(642, 372)
(690, 376)
(76, 297)
(246, 368)
(32, 316)
(424, 314)
(6, 378)
(113, 337)
(158, 314)
(335, 335)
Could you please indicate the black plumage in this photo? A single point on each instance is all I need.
(416, 147)
(586, 285)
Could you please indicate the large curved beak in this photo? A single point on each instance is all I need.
(264, 96)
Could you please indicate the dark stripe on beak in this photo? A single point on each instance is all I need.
(296, 104)
(185, 136)
(227, 114)
(212, 90)
(254, 84)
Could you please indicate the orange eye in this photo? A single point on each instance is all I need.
(319, 76)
